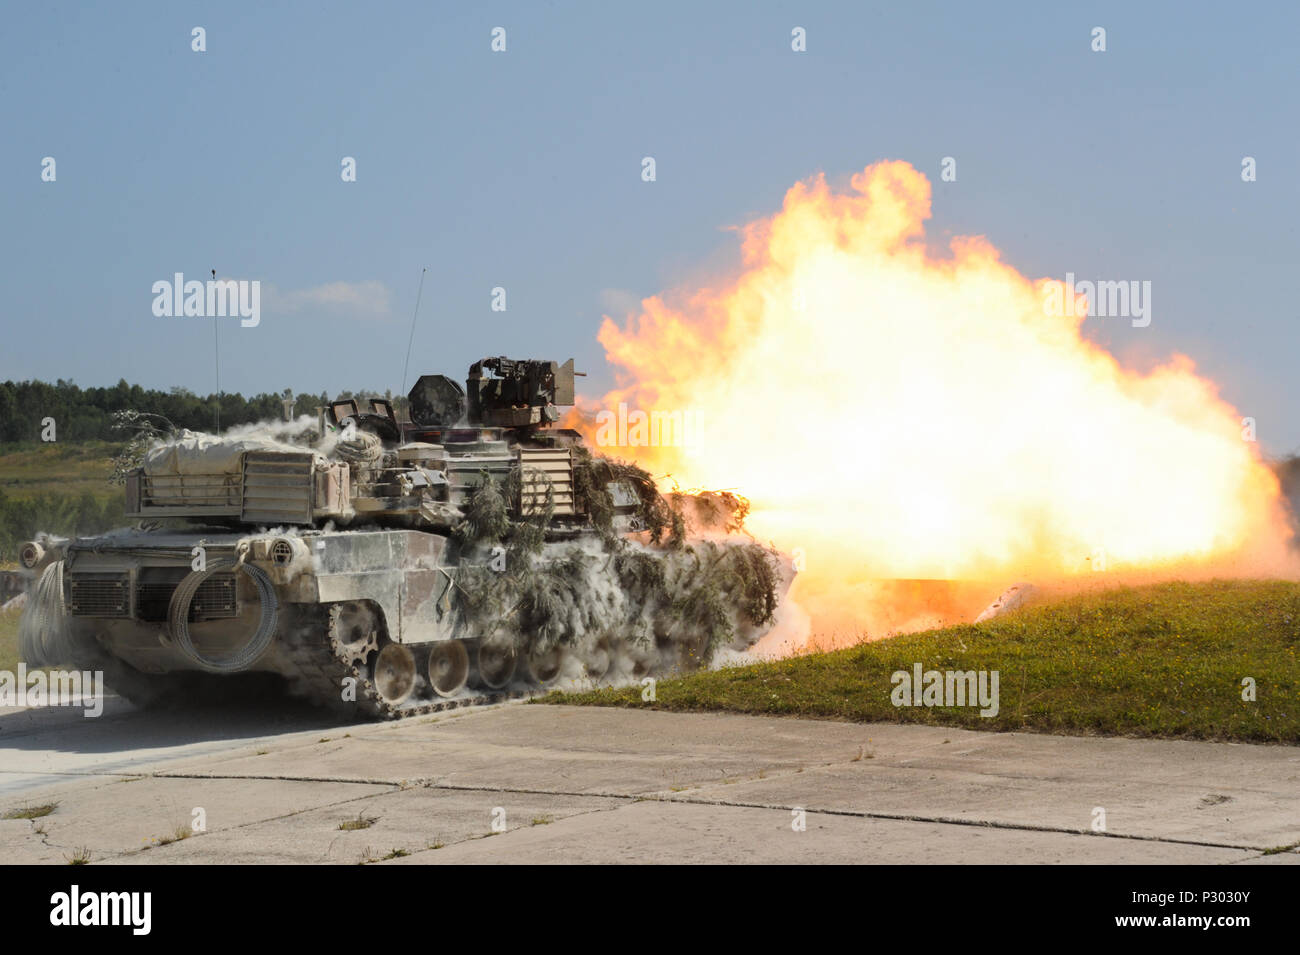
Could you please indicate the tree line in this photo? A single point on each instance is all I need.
(83, 414)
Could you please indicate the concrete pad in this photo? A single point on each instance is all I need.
(623, 784)
(1176, 811)
(567, 749)
(41, 746)
(411, 821)
(135, 815)
(648, 833)
(1277, 858)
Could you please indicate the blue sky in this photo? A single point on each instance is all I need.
(522, 170)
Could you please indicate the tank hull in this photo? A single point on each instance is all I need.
(118, 593)
(366, 622)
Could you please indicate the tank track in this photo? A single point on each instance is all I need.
(314, 668)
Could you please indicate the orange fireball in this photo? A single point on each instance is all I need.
(893, 414)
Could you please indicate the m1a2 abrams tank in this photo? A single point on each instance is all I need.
(387, 567)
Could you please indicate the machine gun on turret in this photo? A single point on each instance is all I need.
(519, 394)
(498, 393)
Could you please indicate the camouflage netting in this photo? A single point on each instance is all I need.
(665, 597)
(591, 477)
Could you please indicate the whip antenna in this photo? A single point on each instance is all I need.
(216, 360)
(411, 340)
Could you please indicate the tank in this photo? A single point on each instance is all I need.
(381, 567)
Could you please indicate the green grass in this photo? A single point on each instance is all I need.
(361, 822)
(181, 832)
(62, 488)
(1278, 850)
(1156, 661)
(9, 640)
(31, 812)
(70, 467)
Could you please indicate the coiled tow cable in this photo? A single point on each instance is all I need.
(178, 613)
(43, 627)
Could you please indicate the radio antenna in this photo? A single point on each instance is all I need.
(216, 360)
(410, 341)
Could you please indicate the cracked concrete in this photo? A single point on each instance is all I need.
(519, 783)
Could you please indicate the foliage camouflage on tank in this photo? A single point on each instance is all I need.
(386, 567)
